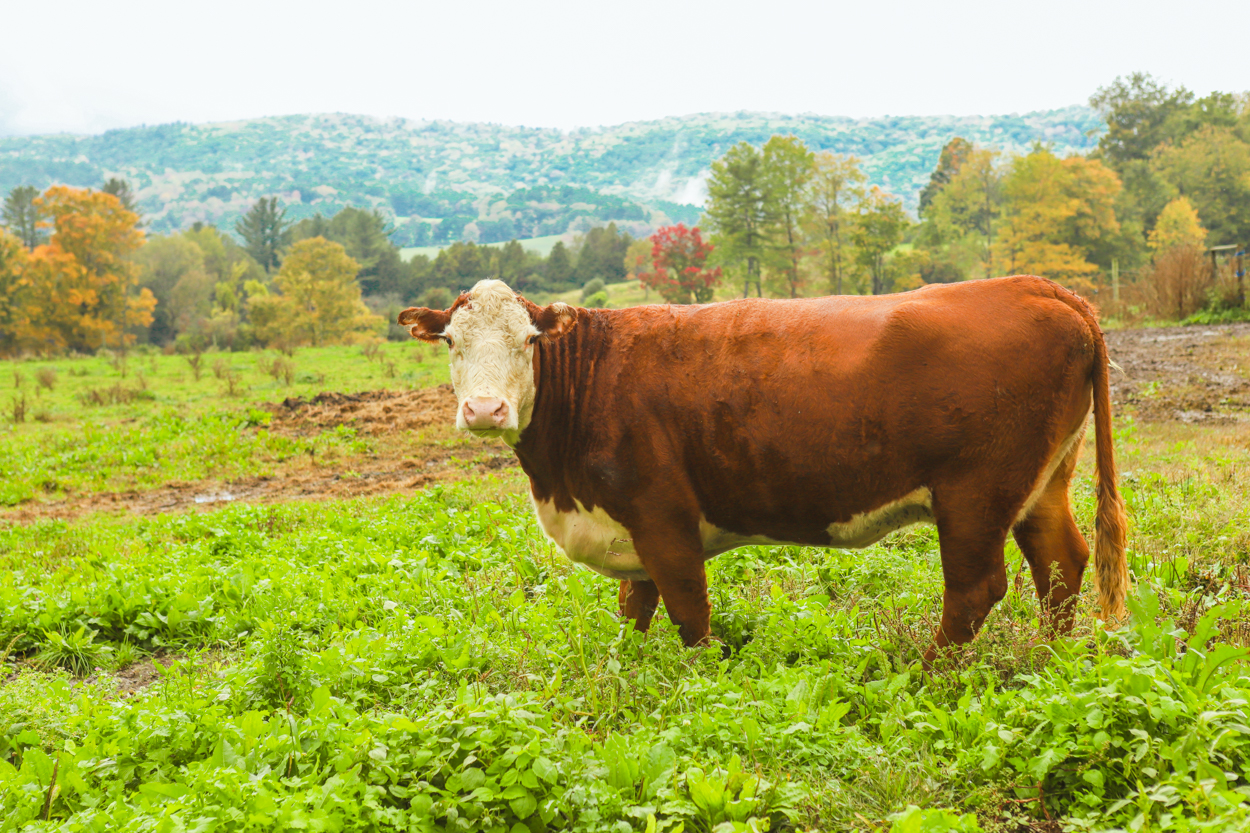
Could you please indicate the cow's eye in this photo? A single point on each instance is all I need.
(451, 345)
(533, 339)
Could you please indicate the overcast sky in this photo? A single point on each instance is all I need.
(90, 65)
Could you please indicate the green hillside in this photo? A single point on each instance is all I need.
(443, 181)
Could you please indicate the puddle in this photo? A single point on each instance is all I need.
(218, 498)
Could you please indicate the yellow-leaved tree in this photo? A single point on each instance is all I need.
(1178, 225)
(12, 263)
(1056, 214)
(319, 301)
(78, 291)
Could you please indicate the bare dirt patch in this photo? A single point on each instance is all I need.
(412, 444)
(1195, 374)
(373, 411)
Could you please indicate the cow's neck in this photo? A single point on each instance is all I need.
(553, 446)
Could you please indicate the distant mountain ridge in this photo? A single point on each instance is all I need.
(491, 181)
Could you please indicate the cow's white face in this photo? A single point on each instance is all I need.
(490, 333)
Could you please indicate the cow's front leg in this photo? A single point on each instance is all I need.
(675, 563)
(639, 600)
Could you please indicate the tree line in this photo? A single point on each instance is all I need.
(1144, 225)
(1168, 183)
(78, 273)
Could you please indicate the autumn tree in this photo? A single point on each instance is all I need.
(679, 266)
(879, 225)
(12, 262)
(78, 290)
(1178, 225)
(319, 299)
(265, 231)
(1211, 167)
(366, 236)
(22, 217)
(1059, 213)
(950, 162)
(1160, 142)
(737, 212)
(837, 183)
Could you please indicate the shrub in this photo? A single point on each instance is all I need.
(592, 288)
(1176, 285)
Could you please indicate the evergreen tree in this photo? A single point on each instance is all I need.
(22, 217)
(265, 232)
(602, 255)
(511, 263)
(366, 235)
(559, 269)
(120, 188)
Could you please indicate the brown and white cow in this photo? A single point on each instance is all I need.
(657, 437)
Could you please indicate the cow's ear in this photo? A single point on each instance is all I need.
(553, 320)
(425, 324)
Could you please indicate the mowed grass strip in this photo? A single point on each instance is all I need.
(430, 662)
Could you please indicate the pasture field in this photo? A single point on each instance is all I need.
(314, 647)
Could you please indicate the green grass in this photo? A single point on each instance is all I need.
(538, 245)
(428, 661)
(160, 424)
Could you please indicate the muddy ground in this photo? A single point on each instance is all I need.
(1198, 374)
(412, 440)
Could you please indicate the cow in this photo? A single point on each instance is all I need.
(657, 437)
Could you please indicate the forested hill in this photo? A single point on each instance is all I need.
(488, 181)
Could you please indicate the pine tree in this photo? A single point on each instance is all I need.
(559, 267)
(22, 217)
(265, 232)
(120, 188)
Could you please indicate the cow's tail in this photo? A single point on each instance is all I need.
(1110, 524)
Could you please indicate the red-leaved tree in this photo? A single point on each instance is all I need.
(679, 266)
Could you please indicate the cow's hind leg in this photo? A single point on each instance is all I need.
(639, 600)
(974, 572)
(1055, 549)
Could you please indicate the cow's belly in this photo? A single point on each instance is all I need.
(593, 539)
(868, 528)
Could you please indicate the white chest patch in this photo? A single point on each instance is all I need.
(591, 538)
(868, 528)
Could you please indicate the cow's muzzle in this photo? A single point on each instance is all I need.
(485, 414)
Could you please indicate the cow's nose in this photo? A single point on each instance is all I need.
(485, 413)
